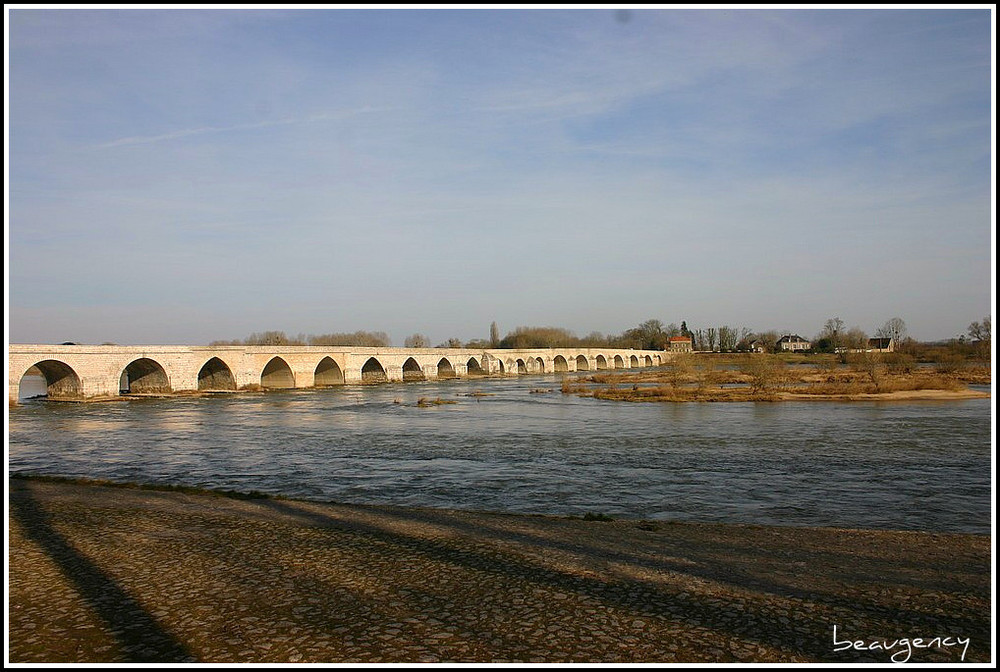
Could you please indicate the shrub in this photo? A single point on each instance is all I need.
(570, 387)
(603, 517)
(826, 364)
(899, 363)
(766, 372)
(871, 364)
(679, 369)
(949, 362)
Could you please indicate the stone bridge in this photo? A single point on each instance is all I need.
(103, 371)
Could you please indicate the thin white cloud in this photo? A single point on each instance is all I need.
(184, 133)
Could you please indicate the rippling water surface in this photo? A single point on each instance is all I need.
(916, 465)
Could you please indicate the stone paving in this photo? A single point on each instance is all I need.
(106, 574)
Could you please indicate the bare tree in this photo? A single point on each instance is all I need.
(478, 344)
(855, 338)
(417, 341)
(650, 335)
(833, 327)
(833, 331)
(766, 372)
(982, 337)
(894, 329)
(981, 331)
(679, 370)
(712, 334)
(494, 335)
(594, 339)
(368, 339)
(728, 337)
(538, 337)
(872, 364)
(268, 338)
(235, 341)
(769, 340)
(699, 339)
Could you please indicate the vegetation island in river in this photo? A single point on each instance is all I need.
(770, 377)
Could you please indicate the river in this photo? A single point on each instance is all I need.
(889, 465)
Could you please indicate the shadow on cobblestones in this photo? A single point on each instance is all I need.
(228, 580)
(794, 621)
(141, 638)
(728, 562)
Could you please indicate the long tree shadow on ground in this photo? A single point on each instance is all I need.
(763, 624)
(140, 637)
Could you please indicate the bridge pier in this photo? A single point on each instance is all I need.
(352, 376)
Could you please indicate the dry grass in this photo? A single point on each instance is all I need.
(777, 382)
(680, 394)
(424, 402)
(888, 384)
(975, 374)
(574, 387)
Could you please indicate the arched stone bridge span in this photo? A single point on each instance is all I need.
(96, 372)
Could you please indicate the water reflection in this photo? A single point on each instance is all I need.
(32, 386)
(896, 465)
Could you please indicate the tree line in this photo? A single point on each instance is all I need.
(650, 335)
(653, 334)
(373, 339)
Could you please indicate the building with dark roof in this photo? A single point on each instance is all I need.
(881, 345)
(793, 343)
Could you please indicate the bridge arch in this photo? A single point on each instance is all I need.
(328, 373)
(559, 364)
(373, 372)
(277, 375)
(522, 368)
(659, 360)
(540, 363)
(445, 369)
(619, 362)
(143, 376)
(412, 371)
(633, 361)
(215, 374)
(648, 361)
(601, 362)
(474, 367)
(61, 381)
(582, 364)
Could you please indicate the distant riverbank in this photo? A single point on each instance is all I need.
(112, 574)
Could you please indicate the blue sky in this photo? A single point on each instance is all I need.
(181, 176)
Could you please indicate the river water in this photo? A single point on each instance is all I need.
(895, 465)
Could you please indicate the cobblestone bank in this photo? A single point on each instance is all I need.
(111, 574)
